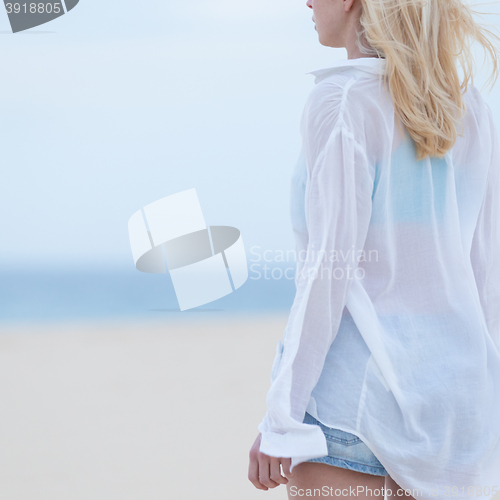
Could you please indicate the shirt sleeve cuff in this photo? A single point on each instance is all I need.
(298, 444)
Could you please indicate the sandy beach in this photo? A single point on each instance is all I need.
(119, 411)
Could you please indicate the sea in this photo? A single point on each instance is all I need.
(67, 295)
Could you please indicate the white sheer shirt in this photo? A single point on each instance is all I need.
(394, 332)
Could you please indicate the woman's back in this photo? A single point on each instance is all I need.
(435, 218)
(414, 367)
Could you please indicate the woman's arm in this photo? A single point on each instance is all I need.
(338, 210)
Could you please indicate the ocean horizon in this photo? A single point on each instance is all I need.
(48, 295)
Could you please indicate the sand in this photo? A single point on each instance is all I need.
(142, 411)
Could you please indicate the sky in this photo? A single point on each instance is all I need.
(118, 104)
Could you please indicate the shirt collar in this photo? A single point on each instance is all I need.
(373, 65)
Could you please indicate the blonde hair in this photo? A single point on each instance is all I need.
(421, 41)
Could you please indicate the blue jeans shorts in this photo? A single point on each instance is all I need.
(347, 451)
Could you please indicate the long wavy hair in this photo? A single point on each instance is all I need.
(421, 41)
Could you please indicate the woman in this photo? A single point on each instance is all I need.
(388, 375)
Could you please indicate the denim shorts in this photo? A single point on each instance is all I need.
(347, 451)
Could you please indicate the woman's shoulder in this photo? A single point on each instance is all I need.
(331, 88)
(359, 103)
(325, 103)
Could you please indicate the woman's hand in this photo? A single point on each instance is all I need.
(264, 471)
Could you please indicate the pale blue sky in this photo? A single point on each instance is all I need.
(118, 104)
